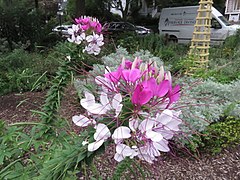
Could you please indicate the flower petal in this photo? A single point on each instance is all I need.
(88, 100)
(104, 101)
(133, 124)
(102, 132)
(161, 145)
(118, 157)
(121, 132)
(81, 120)
(141, 95)
(124, 150)
(163, 88)
(95, 145)
(165, 117)
(117, 99)
(154, 136)
(146, 124)
(97, 109)
(118, 110)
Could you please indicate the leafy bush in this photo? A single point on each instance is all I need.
(156, 45)
(207, 101)
(83, 60)
(222, 134)
(30, 155)
(22, 71)
(21, 23)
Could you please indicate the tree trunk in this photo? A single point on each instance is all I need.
(36, 4)
(80, 8)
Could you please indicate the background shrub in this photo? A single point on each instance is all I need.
(21, 71)
(221, 135)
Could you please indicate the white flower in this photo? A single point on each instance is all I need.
(121, 132)
(73, 30)
(76, 36)
(79, 38)
(95, 39)
(133, 124)
(101, 108)
(84, 143)
(82, 121)
(94, 43)
(101, 135)
(162, 145)
(91, 106)
(73, 33)
(123, 151)
(146, 127)
(148, 152)
(92, 49)
(169, 119)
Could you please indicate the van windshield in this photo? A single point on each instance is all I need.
(224, 20)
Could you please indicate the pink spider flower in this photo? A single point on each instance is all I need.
(141, 95)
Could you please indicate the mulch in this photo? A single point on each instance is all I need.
(16, 107)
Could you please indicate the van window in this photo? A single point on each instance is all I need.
(224, 20)
(215, 24)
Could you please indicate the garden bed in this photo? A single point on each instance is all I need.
(225, 165)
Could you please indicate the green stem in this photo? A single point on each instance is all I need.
(8, 166)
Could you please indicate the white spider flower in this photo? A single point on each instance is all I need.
(101, 108)
(101, 135)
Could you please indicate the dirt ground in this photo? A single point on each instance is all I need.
(16, 107)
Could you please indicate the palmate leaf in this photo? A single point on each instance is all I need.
(6, 153)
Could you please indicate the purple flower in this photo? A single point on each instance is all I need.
(158, 90)
(131, 75)
(141, 95)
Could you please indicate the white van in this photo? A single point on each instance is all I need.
(178, 24)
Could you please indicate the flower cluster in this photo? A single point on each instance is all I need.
(135, 110)
(87, 30)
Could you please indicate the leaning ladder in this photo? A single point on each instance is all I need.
(200, 42)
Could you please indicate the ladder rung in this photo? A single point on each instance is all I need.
(200, 47)
(204, 10)
(203, 33)
(200, 40)
(202, 18)
(205, 2)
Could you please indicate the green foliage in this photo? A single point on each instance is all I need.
(63, 161)
(217, 136)
(121, 167)
(22, 71)
(156, 45)
(222, 134)
(55, 93)
(21, 23)
(232, 42)
(30, 155)
(223, 63)
(205, 102)
(17, 148)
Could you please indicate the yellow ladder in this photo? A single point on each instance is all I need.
(200, 42)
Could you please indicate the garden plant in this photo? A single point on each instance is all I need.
(129, 104)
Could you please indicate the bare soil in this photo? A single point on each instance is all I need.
(16, 107)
